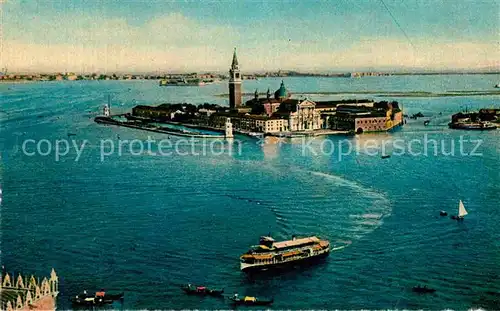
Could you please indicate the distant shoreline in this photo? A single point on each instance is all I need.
(391, 93)
(31, 78)
(42, 77)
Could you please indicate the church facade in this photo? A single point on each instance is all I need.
(305, 117)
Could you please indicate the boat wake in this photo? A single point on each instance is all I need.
(317, 203)
(351, 210)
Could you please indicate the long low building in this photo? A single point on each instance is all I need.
(250, 123)
(382, 116)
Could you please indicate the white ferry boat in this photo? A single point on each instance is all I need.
(270, 254)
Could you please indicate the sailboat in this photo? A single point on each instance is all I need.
(462, 212)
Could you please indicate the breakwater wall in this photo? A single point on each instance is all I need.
(111, 121)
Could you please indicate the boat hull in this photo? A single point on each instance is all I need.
(206, 292)
(424, 290)
(251, 303)
(472, 127)
(284, 265)
(85, 300)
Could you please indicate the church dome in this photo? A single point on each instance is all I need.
(282, 92)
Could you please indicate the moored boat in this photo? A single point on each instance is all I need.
(479, 126)
(201, 290)
(99, 298)
(462, 212)
(270, 254)
(250, 301)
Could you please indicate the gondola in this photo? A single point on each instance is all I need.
(99, 299)
(423, 289)
(201, 290)
(385, 156)
(250, 301)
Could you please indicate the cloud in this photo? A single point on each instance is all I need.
(376, 54)
(174, 42)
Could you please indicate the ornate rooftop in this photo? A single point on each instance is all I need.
(26, 293)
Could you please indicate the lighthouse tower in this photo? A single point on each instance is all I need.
(105, 110)
(229, 128)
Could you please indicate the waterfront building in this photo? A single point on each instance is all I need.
(161, 112)
(234, 83)
(23, 293)
(249, 122)
(381, 116)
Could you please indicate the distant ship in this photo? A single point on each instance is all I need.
(270, 254)
(184, 82)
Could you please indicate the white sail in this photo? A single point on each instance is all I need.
(461, 209)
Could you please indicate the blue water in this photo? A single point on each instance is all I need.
(147, 224)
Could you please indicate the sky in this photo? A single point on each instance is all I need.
(178, 36)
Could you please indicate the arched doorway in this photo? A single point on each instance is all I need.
(359, 130)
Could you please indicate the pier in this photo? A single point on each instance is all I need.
(152, 128)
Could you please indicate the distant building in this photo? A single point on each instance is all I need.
(206, 112)
(71, 77)
(367, 74)
(161, 112)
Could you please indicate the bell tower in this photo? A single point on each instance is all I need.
(234, 83)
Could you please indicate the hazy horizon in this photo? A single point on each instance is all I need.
(320, 37)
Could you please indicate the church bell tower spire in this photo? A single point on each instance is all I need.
(234, 83)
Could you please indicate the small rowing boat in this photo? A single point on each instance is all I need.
(423, 289)
(250, 301)
(99, 298)
(201, 290)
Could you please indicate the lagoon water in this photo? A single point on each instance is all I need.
(146, 224)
